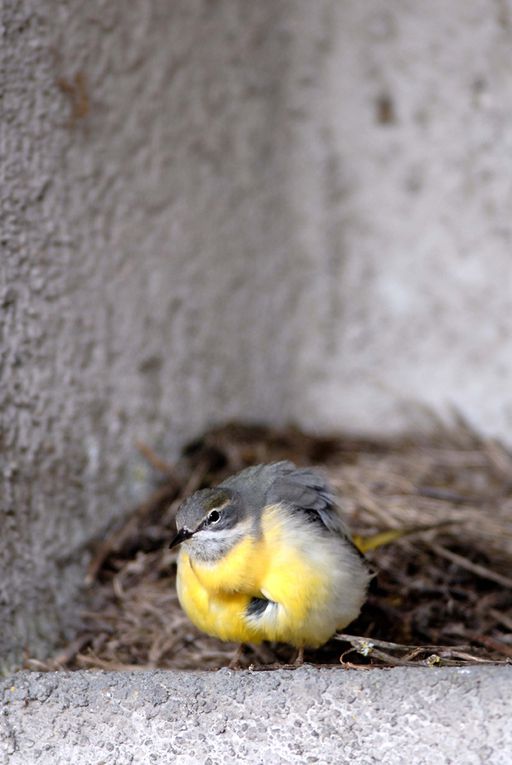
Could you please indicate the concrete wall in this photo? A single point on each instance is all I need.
(262, 210)
(146, 263)
(402, 183)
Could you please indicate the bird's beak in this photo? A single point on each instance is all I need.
(180, 537)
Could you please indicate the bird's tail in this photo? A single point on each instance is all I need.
(381, 538)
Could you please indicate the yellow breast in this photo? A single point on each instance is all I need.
(286, 565)
(240, 570)
(215, 611)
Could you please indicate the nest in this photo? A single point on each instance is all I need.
(442, 594)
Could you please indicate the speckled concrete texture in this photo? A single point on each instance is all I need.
(142, 237)
(380, 717)
(401, 172)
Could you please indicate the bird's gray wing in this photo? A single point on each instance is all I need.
(306, 491)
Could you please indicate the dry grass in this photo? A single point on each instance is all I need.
(441, 597)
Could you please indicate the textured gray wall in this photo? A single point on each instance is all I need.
(261, 210)
(143, 244)
(402, 181)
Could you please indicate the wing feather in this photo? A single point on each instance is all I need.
(307, 491)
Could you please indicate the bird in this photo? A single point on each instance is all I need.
(266, 556)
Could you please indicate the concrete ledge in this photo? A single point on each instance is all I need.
(306, 716)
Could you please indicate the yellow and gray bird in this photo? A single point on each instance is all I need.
(266, 556)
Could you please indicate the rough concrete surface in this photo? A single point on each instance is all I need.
(381, 717)
(401, 173)
(142, 236)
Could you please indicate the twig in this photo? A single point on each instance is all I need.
(155, 461)
(71, 650)
(503, 619)
(432, 492)
(395, 661)
(358, 641)
(351, 665)
(115, 666)
(439, 654)
(468, 657)
(475, 568)
(500, 458)
(366, 645)
(494, 645)
(116, 538)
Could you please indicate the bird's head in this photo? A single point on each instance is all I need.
(210, 522)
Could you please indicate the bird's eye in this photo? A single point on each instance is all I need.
(214, 516)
